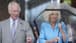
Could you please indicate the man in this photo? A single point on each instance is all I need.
(15, 30)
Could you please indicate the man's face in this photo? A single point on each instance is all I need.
(14, 10)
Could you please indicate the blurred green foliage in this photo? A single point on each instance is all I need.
(67, 1)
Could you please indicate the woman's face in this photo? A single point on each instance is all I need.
(53, 16)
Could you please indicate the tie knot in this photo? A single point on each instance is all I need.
(13, 22)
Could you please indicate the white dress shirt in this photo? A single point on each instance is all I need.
(11, 22)
(13, 29)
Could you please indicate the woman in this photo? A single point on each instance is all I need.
(53, 31)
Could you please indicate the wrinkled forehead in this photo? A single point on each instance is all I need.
(13, 4)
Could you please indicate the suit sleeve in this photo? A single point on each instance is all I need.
(29, 32)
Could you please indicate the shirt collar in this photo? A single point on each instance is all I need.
(11, 20)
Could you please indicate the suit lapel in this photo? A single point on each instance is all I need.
(7, 28)
(19, 24)
(19, 27)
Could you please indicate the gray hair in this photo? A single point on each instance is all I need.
(12, 3)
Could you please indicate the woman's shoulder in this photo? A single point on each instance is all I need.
(44, 25)
(63, 23)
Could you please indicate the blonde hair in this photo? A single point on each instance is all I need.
(47, 13)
